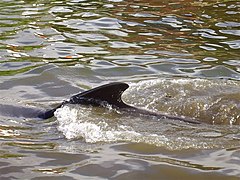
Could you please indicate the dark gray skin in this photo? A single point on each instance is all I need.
(99, 96)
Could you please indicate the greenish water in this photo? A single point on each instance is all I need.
(179, 57)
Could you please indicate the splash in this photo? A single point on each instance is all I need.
(76, 123)
(210, 101)
(106, 125)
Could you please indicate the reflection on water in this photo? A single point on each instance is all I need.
(193, 39)
(181, 58)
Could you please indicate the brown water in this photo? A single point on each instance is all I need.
(179, 57)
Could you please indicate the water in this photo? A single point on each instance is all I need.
(180, 58)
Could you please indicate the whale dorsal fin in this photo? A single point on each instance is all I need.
(109, 93)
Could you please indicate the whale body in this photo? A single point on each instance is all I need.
(100, 96)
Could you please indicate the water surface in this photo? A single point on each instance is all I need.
(180, 58)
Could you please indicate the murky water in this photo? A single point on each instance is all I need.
(180, 58)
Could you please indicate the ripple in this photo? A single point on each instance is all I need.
(167, 21)
(233, 44)
(92, 25)
(123, 45)
(26, 37)
(232, 62)
(222, 72)
(143, 15)
(65, 50)
(231, 32)
(62, 9)
(228, 24)
(85, 37)
(169, 53)
(208, 48)
(206, 35)
(210, 59)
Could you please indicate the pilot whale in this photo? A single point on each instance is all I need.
(110, 94)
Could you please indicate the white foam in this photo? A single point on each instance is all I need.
(74, 123)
